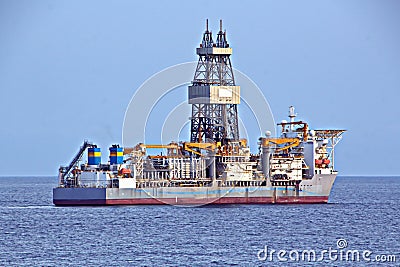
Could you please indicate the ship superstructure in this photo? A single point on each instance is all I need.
(216, 165)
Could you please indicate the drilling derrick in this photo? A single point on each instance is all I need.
(213, 93)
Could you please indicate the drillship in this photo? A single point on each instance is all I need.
(216, 165)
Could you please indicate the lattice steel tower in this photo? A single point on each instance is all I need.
(213, 93)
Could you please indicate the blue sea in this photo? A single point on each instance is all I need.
(363, 216)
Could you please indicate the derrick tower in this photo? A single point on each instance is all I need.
(213, 93)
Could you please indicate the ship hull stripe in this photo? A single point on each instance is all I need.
(191, 201)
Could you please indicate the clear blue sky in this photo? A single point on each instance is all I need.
(69, 68)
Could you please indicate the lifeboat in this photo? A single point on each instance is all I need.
(318, 161)
(326, 161)
(125, 171)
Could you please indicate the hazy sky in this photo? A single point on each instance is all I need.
(69, 68)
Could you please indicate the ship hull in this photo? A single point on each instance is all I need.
(315, 190)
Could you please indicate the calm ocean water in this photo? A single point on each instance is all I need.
(363, 210)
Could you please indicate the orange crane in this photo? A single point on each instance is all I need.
(287, 142)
